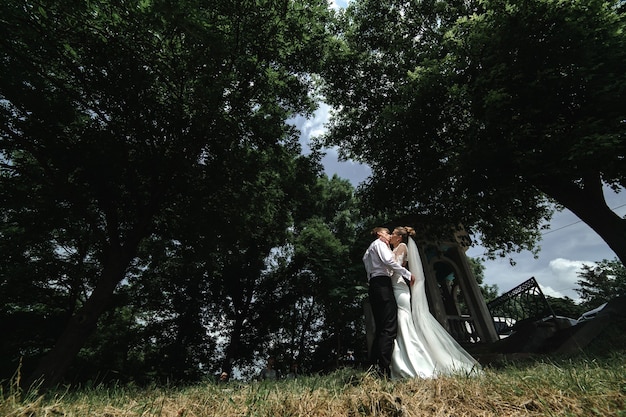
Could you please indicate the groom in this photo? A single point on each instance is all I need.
(379, 265)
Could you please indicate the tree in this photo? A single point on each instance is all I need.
(110, 111)
(248, 297)
(485, 113)
(565, 307)
(601, 282)
(323, 319)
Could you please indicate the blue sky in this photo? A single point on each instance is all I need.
(565, 247)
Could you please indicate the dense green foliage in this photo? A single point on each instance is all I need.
(486, 112)
(602, 282)
(148, 171)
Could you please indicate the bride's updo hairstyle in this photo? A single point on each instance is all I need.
(405, 232)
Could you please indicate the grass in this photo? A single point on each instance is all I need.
(537, 387)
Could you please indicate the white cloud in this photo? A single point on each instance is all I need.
(564, 277)
(566, 271)
(338, 4)
(311, 127)
(549, 291)
(314, 126)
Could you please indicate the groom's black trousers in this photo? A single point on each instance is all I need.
(385, 312)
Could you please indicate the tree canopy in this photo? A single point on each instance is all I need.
(137, 133)
(485, 112)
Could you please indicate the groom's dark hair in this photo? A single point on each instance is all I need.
(377, 230)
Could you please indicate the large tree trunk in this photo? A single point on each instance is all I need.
(232, 350)
(54, 364)
(588, 203)
(241, 308)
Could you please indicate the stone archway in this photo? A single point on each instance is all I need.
(453, 294)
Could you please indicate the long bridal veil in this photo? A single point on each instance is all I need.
(446, 353)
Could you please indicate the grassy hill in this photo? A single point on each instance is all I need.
(590, 383)
(538, 387)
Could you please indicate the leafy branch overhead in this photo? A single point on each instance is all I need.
(485, 113)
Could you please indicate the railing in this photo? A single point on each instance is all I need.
(523, 303)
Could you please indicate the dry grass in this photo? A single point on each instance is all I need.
(541, 388)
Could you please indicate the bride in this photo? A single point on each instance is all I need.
(423, 348)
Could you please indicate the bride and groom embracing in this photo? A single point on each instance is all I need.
(409, 341)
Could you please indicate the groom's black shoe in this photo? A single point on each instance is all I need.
(379, 371)
(376, 371)
(384, 373)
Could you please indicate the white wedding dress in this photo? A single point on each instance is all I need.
(423, 348)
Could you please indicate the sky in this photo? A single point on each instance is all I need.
(336, 4)
(565, 247)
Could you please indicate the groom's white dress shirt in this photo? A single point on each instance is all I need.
(379, 261)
